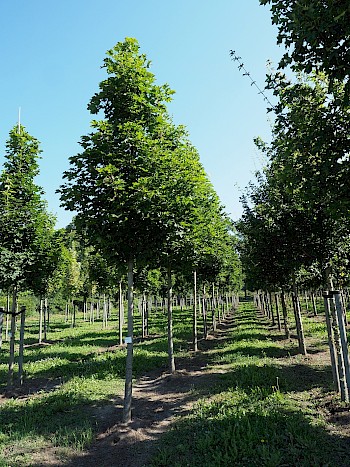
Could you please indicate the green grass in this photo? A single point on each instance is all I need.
(83, 375)
(262, 411)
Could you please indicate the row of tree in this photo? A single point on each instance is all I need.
(141, 198)
(295, 224)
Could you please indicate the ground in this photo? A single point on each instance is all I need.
(159, 398)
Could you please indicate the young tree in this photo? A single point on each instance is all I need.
(106, 183)
(23, 221)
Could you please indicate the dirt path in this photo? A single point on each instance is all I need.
(157, 399)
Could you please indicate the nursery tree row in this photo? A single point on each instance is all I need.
(142, 201)
(296, 217)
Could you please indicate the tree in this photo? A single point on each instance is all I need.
(24, 221)
(106, 182)
(316, 34)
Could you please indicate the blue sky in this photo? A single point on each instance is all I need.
(51, 56)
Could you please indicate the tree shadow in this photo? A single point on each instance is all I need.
(279, 437)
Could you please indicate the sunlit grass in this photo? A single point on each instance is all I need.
(86, 369)
(261, 411)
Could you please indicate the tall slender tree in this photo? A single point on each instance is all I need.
(107, 184)
(25, 225)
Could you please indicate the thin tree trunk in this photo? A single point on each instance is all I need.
(21, 346)
(170, 324)
(213, 316)
(2, 309)
(104, 313)
(12, 339)
(343, 338)
(314, 304)
(91, 312)
(130, 345)
(278, 313)
(331, 344)
(147, 310)
(299, 322)
(204, 315)
(344, 307)
(344, 390)
(285, 315)
(306, 301)
(121, 313)
(41, 321)
(195, 337)
(45, 318)
(271, 309)
(74, 314)
(143, 316)
(7, 316)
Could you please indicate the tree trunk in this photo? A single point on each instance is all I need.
(285, 315)
(41, 321)
(204, 315)
(170, 324)
(344, 307)
(298, 320)
(271, 309)
(195, 337)
(12, 338)
(121, 314)
(7, 317)
(45, 319)
(130, 345)
(343, 337)
(314, 304)
(74, 314)
(66, 316)
(143, 316)
(21, 346)
(2, 309)
(91, 312)
(344, 390)
(104, 313)
(278, 313)
(331, 343)
(213, 316)
(148, 307)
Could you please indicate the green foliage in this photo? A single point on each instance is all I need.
(297, 217)
(107, 183)
(28, 251)
(316, 34)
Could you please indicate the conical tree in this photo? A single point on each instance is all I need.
(107, 184)
(24, 221)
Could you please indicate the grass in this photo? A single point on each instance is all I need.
(263, 411)
(84, 371)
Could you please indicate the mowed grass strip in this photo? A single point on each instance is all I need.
(263, 409)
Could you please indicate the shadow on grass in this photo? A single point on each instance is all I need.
(65, 419)
(268, 437)
(253, 427)
(292, 378)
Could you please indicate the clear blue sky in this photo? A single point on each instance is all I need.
(51, 53)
